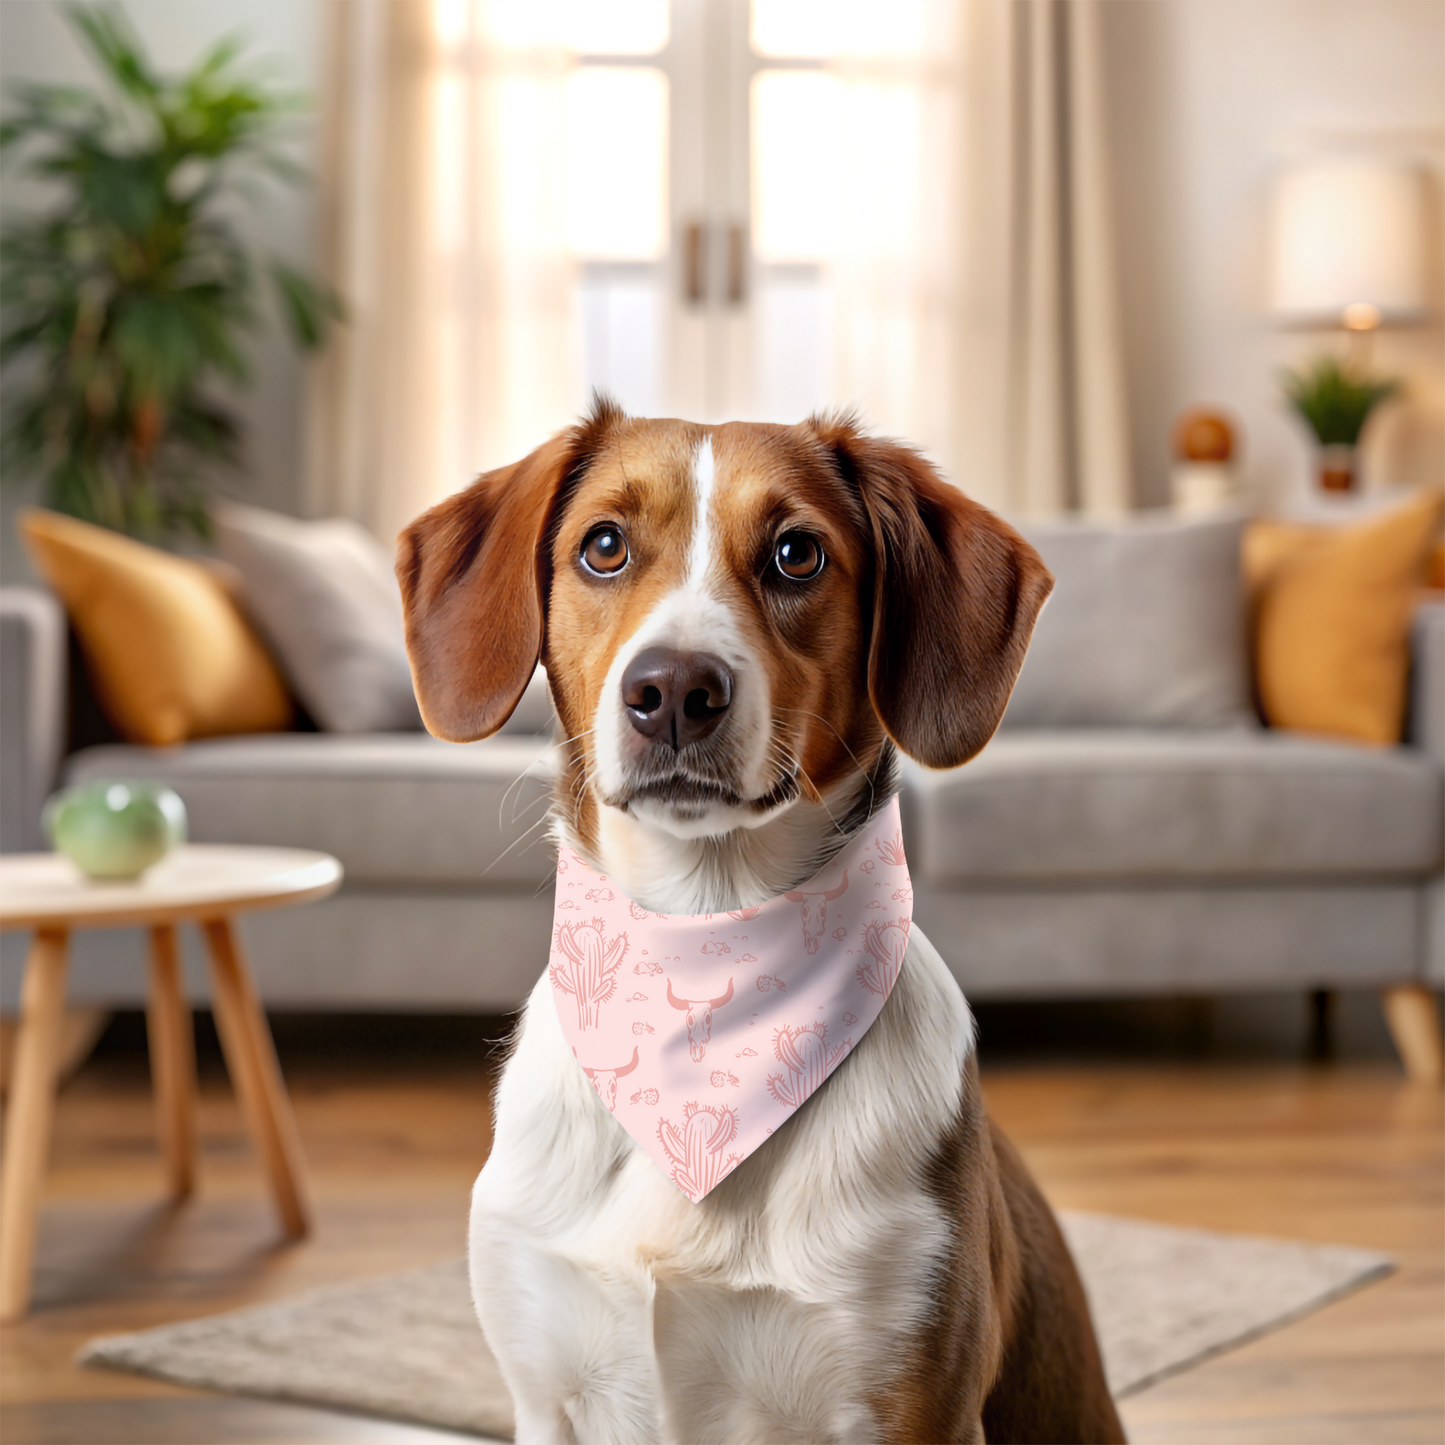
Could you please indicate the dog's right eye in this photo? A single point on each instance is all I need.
(604, 551)
(798, 556)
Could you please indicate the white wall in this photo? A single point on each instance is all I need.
(1208, 99)
(285, 35)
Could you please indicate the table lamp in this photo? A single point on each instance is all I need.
(1348, 248)
(1348, 251)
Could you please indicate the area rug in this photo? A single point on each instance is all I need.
(407, 1346)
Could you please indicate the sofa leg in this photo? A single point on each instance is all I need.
(1414, 1020)
(1322, 1024)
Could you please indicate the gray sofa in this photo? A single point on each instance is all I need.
(1062, 861)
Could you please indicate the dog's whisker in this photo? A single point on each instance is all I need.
(867, 776)
(576, 737)
(782, 756)
(581, 780)
(516, 842)
(515, 783)
(522, 810)
(822, 801)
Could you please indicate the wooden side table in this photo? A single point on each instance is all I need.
(209, 885)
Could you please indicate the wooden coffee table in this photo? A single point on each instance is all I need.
(209, 885)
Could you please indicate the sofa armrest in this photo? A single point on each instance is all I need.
(1426, 726)
(32, 710)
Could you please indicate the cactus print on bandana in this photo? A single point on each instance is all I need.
(762, 1003)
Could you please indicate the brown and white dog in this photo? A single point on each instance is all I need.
(740, 625)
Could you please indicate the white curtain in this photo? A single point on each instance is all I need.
(972, 289)
(974, 301)
(893, 277)
(1041, 422)
(443, 229)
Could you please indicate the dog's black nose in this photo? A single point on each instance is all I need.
(676, 697)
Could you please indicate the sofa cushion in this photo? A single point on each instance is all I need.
(394, 808)
(1145, 627)
(324, 596)
(168, 651)
(1427, 680)
(1332, 609)
(32, 711)
(1094, 805)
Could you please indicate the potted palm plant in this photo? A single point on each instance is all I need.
(1335, 405)
(129, 301)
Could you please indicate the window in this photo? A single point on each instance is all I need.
(738, 189)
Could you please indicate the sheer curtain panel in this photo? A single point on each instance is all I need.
(912, 200)
(444, 227)
(1040, 419)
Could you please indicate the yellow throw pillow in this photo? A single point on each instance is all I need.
(1435, 569)
(169, 654)
(1331, 611)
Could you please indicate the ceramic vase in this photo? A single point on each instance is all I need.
(115, 829)
(1337, 468)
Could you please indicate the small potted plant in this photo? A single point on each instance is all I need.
(1335, 405)
(132, 293)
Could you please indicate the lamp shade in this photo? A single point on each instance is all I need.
(1348, 238)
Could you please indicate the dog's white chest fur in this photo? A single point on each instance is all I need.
(771, 1310)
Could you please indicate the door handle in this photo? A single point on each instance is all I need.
(694, 263)
(737, 264)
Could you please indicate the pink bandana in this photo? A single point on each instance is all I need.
(703, 1032)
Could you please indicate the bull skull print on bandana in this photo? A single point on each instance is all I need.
(702, 1033)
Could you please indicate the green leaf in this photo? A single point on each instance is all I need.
(116, 45)
(134, 291)
(155, 339)
(1333, 403)
(310, 307)
(219, 56)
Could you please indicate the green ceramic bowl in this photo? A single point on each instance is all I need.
(114, 828)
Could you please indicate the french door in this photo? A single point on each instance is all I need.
(707, 297)
(750, 195)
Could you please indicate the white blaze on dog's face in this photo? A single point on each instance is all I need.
(732, 618)
(692, 660)
(705, 634)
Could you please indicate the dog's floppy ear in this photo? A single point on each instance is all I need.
(474, 578)
(472, 591)
(956, 594)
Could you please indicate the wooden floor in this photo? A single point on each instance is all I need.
(395, 1121)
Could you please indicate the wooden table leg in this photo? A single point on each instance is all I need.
(32, 1098)
(251, 1058)
(1413, 1015)
(173, 1061)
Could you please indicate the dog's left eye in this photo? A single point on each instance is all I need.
(798, 556)
(604, 552)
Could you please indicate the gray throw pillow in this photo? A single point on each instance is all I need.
(324, 597)
(1145, 627)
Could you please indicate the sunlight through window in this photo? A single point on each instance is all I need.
(819, 141)
(794, 143)
(617, 163)
(830, 29)
(590, 27)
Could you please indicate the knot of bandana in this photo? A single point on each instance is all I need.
(703, 1033)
